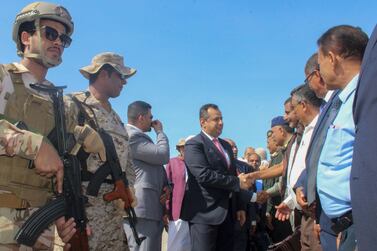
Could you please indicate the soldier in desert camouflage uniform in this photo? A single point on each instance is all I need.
(107, 75)
(27, 160)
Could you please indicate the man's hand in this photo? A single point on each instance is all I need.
(165, 195)
(241, 217)
(282, 212)
(300, 197)
(262, 197)
(245, 181)
(48, 163)
(157, 126)
(66, 229)
(126, 199)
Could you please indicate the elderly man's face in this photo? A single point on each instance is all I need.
(271, 145)
(278, 135)
(254, 161)
(249, 151)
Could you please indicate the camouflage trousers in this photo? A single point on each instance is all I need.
(11, 220)
(106, 222)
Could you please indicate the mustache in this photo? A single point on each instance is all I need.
(55, 48)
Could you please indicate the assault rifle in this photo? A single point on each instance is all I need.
(71, 202)
(121, 190)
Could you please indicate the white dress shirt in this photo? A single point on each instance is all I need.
(295, 169)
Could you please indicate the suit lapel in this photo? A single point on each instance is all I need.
(319, 122)
(214, 149)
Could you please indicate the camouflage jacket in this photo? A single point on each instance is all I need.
(14, 141)
(112, 124)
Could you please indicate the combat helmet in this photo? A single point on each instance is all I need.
(35, 12)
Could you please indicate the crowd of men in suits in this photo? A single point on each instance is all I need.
(314, 193)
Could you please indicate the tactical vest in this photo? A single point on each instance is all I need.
(36, 112)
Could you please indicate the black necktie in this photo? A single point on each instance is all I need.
(327, 118)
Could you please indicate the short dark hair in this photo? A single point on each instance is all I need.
(29, 27)
(312, 64)
(304, 93)
(106, 67)
(136, 109)
(345, 40)
(203, 112)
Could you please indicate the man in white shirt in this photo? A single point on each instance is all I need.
(306, 106)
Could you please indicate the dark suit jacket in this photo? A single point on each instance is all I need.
(364, 165)
(210, 182)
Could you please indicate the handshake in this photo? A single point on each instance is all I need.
(247, 180)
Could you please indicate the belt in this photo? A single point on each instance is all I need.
(342, 223)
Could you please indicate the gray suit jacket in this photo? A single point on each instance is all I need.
(148, 159)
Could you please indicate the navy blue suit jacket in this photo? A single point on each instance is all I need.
(210, 182)
(364, 165)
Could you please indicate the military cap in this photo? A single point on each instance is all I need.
(110, 58)
(278, 121)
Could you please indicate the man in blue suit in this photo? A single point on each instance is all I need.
(364, 171)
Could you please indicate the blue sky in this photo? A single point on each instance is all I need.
(244, 56)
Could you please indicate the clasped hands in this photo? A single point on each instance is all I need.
(246, 180)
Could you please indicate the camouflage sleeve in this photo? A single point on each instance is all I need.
(71, 113)
(14, 141)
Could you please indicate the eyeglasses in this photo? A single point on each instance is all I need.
(52, 34)
(306, 81)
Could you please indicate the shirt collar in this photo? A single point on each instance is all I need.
(328, 95)
(136, 128)
(209, 136)
(312, 124)
(20, 68)
(349, 89)
(94, 101)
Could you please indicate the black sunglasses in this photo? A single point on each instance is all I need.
(52, 34)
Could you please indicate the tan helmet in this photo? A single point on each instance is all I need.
(37, 11)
